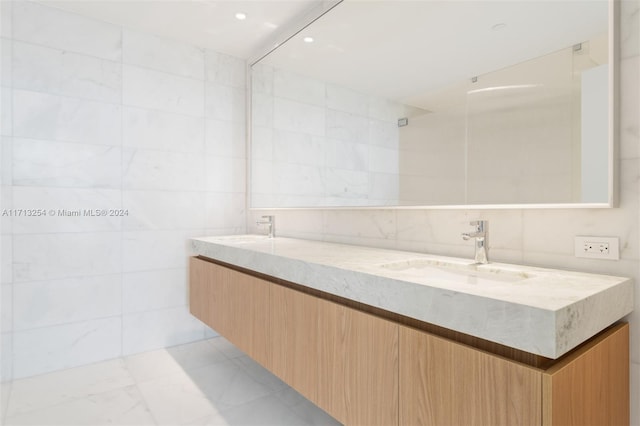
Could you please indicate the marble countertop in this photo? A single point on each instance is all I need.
(547, 312)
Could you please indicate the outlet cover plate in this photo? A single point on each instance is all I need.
(597, 247)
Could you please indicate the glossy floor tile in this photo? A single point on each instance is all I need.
(203, 383)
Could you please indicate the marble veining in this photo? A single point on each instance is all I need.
(543, 311)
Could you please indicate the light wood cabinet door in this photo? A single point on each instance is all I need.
(590, 386)
(446, 383)
(294, 343)
(234, 304)
(358, 366)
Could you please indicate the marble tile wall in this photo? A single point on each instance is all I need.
(96, 116)
(539, 237)
(319, 144)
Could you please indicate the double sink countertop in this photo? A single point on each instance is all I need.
(546, 312)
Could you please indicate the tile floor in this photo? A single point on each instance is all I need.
(203, 383)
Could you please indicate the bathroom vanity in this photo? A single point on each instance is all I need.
(384, 337)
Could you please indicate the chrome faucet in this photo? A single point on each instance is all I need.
(270, 221)
(481, 235)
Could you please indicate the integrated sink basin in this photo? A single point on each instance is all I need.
(458, 271)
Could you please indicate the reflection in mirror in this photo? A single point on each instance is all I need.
(495, 115)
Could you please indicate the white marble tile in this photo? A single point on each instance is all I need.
(261, 143)
(630, 108)
(268, 410)
(163, 210)
(553, 231)
(262, 181)
(176, 399)
(53, 256)
(262, 79)
(349, 185)
(295, 179)
(225, 210)
(224, 69)
(299, 117)
(151, 330)
(384, 134)
(61, 164)
(65, 346)
(47, 303)
(383, 160)
(150, 250)
(5, 392)
(67, 209)
(260, 374)
(6, 111)
(225, 174)
(385, 110)
(347, 156)
(309, 413)
(262, 110)
(6, 62)
(195, 355)
(43, 116)
(6, 357)
(51, 389)
(164, 131)
(225, 102)
(150, 290)
(225, 138)
(162, 54)
(208, 332)
(6, 306)
(369, 224)
(347, 127)
(298, 88)
(162, 170)
(6, 249)
(39, 24)
(43, 69)
(174, 360)
(228, 385)
(347, 100)
(6, 19)
(298, 148)
(226, 348)
(166, 92)
(122, 406)
(6, 160)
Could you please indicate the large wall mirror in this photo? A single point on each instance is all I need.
(438, 103)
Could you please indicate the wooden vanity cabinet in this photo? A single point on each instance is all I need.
(365, 369)
(233, 304)
(343, 360)
(446, 383)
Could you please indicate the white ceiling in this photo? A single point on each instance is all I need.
(399, 49)
(204, 23)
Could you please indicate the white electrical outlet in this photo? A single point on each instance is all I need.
(597, 247)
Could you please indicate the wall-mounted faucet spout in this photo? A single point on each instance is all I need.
(481, 235)
(269, 221)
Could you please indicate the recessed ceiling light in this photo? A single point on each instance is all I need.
(308, 39)
(241, 16)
